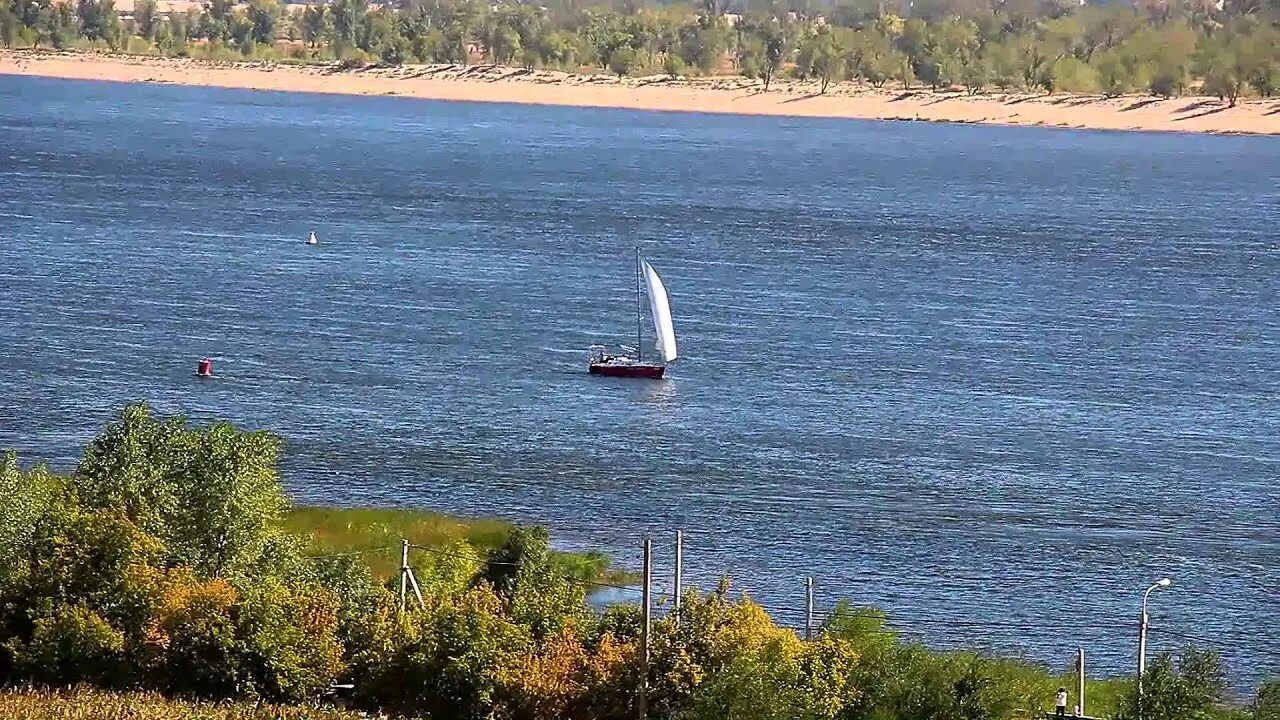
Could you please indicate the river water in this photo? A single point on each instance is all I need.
(995, 381)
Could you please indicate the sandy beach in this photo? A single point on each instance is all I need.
(661, 93)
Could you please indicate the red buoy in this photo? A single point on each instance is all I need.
(204, 368)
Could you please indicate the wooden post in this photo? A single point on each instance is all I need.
(643, 703)
(679, 579)
(808, 608)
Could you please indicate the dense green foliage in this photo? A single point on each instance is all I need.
(169, 562)
(1166, 48)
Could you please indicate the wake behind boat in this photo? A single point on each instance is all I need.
(664, 344)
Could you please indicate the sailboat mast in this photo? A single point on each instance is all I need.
(639, 326)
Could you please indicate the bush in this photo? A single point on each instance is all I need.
(73, 644)
(1189, 687)
(194, 635)
(448, 661)
(674, 65)
(1073, 76)
(290, 641)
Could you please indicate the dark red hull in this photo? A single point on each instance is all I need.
(652, 372)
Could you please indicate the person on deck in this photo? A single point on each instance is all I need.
(1060, 704)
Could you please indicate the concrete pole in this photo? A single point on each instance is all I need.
(404, 572)
(808, 608)
(643, 703)
(1080, 680)
(679, 579)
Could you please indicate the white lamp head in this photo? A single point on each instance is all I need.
(1166, 582)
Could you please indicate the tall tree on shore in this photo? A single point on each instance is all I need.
(144, 18)
(61, 29)
(263, 15)
(348, 16)
(98, 19)
(8, 25)
(316, 24)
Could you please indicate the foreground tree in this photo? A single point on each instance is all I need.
(1188, 687)
(211, 495)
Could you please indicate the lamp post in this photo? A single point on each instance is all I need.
(1142, 632)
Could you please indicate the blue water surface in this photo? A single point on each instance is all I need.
(995, 381)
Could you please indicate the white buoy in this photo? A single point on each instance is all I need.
(311, 239)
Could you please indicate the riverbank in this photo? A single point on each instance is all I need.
(731, 95)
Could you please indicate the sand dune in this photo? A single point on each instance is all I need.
(712, 95)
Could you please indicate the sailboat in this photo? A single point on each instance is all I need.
(664, 343)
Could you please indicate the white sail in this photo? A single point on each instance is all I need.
(663, 328)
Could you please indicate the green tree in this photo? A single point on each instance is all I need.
(504, 44)
(348, 16)
(522, 574)
(144, 18)
(97, 18)
(1071, 75)
(1266, 703)
(211, 495)
(1189, 687)
(674, 65)
(870, 57)
(822, 56)
(1006, 72)
(315, 25)
(397, 50)
(1225, 70)
(61, 27)
(762, 47)
(558, 49)
(263, 16)
(430, 46)
(29, 495)
(1261, 60)
(9, 25)
(449, 661)
(1113, 74)
(179, 31)
(775, 48)
(702, 44)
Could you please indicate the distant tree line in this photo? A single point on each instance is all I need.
(161, 564)
(1166, 47)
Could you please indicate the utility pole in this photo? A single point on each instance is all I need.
(404, 572)
(643, 704)
(808, 608)
(679, 579)
(1080, 680)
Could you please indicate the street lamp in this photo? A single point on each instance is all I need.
(1142, 631)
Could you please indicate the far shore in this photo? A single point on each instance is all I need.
(731, 95)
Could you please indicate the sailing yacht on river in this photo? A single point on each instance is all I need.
(664, 342)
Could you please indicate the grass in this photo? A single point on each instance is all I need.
(89, 704)
(376, 533)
